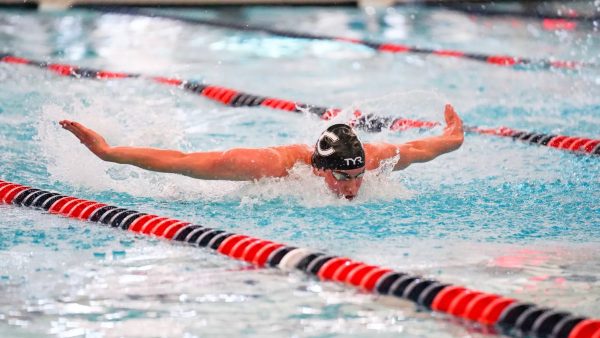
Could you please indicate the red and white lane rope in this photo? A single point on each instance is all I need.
(382, 47)
(368, 122)
(501, 314)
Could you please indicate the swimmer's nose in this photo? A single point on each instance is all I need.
(351, 188)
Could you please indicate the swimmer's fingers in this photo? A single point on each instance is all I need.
(70, 126)
(66, 124)
(452, 118)
(453, 122)
(88, 137)
(83, 133)
(449, 114)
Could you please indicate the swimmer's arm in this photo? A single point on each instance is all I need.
(239, 164)
(235, 164)
(425, 149)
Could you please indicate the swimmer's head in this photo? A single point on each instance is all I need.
(339, 157)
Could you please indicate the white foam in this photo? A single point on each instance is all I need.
(138, 125)
(303, 187)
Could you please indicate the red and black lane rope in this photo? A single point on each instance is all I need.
(383, 47)
(504, 314)
(571, 20)
(228, 96)
(490, 9)
(367, 122)
(577, 144)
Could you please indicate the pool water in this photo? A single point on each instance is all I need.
(496, 215)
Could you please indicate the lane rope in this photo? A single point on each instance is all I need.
(501, 314)
(382, 47)
(582, 145)
(227, 96)
(570, 14)
(367, 122)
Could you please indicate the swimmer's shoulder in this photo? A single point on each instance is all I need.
(380, 151)
(294, 153)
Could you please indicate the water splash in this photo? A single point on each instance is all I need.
(308, 190)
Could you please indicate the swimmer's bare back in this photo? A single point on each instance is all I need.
(244, 164)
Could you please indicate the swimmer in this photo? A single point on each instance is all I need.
(338, 156)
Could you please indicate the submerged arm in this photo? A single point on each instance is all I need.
(235, 164)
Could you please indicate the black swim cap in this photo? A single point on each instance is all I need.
(338, 148)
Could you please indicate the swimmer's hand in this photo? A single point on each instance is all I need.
(454, 126)
(422, 150)
(91, 139)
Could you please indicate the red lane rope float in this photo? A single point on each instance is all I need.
(499, 60)
(368, 122)
(504, 314)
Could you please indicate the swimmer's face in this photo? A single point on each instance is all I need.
(344, 183)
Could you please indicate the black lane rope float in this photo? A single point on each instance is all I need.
(499, 314)
(499, 60)
(489, 9)
(368, 122)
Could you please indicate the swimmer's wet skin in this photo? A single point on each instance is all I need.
(338, 156)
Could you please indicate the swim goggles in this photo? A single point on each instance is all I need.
(341, 176)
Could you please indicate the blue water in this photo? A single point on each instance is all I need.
(496, 215)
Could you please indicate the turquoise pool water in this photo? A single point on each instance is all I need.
(496, 215)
